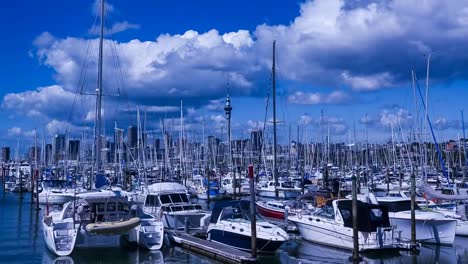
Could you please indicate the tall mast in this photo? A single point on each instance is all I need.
(99, 94)
(273, 80)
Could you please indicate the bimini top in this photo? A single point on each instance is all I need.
(370, 216)
(242, 205)
(166, 187)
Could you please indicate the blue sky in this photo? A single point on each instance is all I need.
(348, 59)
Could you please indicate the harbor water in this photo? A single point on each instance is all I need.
(21, 241)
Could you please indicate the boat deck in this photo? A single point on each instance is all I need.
(211, 249)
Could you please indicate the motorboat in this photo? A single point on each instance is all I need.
(170, 201)
(274, 209)
(431, 226)
(332, 225)
(56, 192)
(230, 225)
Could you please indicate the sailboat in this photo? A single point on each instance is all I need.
(100, 217)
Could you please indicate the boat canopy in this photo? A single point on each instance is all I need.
(370, 216)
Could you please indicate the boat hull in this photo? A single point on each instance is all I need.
(242, 242)
(270, 213)
(440, 231)
(329, 233)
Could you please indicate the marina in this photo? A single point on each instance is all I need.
(153, 165)
(23, 242)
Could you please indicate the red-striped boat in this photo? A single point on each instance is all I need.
(273, 209)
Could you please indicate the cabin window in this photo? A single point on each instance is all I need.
(165, 199)
(184, 198)
(152, 201)
(176, 198)
(111, 207)
(100, 207)
(398, 206)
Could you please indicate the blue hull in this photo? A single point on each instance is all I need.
(243, 242)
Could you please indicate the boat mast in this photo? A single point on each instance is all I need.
(98, 126)
(273, 80)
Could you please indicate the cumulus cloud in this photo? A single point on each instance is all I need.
(305, 120)
(395, 118)
(369, 82)
(336, 97)
(14, 131)
(44, 101)
(362, 45)
(443, 123)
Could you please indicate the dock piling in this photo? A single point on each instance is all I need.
(253, 219)
(355, 258)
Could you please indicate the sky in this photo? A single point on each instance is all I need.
(343, 68)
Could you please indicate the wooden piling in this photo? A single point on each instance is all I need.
(253, 217)
(355, 258)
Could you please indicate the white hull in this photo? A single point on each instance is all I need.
(428, 230)
(270, 194)
(330, 233)
(46, 197)
(60, 239)
(462, 228)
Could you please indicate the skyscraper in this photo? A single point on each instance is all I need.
(74, 149)
(59, 147)
(5, 154)
(132, 136)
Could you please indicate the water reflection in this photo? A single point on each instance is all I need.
(304, 252)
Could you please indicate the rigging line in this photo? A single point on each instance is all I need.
(439, 153)
(116, 61)
(84, 66)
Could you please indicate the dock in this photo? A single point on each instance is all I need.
(211, 249)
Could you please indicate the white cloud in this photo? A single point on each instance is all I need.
(336, 97)
(395, 117)
(116, 28)
(305, 119)
(14, 131)
(369, 82)
(41, 102)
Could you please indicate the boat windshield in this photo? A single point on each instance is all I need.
(238, 214)
(174, 198)
(326, 211)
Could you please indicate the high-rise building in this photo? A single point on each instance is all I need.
(48, 154)
(59, 147)
(74, 149)
(132, 137)
(5, 154)
(34, 155)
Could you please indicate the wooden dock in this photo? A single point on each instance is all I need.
(211, 249)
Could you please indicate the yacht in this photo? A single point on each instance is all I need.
(230, 226)
(431, 227)
(100, 219)
(332, 226)
(56, 192)
(170, 201)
